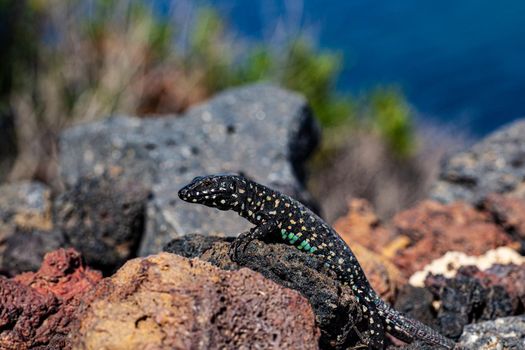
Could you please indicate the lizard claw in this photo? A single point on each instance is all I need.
(238, 246)
(233, 250)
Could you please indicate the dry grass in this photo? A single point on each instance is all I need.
(364, 167)
(88, 75)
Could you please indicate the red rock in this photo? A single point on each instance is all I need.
(435, 229)
(63, 274)
(361, 229)
(38, 310)
(509, 212)
(361, 225)
(166, 301)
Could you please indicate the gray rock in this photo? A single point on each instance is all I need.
(26, 229)
(27, 203)
(261, 131)
(24, 249)
(496, 164)
(102, 219)
(503, 333)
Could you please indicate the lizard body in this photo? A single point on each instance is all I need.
(278, 215)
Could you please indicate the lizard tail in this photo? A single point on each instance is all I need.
(407, 329)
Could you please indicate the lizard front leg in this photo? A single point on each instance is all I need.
(258, 232)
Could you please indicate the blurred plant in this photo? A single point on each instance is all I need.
(314, 74)
(391, 116)
(91, 59)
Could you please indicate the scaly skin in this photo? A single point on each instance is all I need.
(276, 214)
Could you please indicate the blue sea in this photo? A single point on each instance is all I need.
(458, 61)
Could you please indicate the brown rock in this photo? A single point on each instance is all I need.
(338, 314)
(509, 212)
(361, 229)
(435, 228)
(361, 225)
(169, 302)
(38, 310)
(383, 275)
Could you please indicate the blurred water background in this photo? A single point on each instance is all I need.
(459, 61)
(396, 86)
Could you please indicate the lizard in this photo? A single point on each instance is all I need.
(277, 215)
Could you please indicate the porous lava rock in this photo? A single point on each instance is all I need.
(25, 204)
(338, 314)
(509, 213)
(419, 235)
(38, 310)
(103, 219)
(417, 303)
(361, 225)
(434, 229)
(503, 333)
(166, 301)
(474, 295)
(496, 164)
(449, 264)
(260, 130)
(26, 228)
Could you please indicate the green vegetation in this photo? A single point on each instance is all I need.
(391, 117)
(86, 64)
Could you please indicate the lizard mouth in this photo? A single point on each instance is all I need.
(191, 193)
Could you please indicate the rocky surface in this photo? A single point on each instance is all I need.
(169, 302)
(504, 333)
(434, 229)
(260, 130)
(495, 164)
(102, 218)
(361, 225)
(25, 248)
(449, 264)
(333, 303)
(39, 309)
(25, 226)
(508, 212)
(418, 304)
(26, 204)
(419, 235)
(474, 295)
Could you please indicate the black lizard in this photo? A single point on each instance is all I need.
(274, 213)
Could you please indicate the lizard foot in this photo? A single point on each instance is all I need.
(238, 246)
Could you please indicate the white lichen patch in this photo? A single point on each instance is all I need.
(449, 263)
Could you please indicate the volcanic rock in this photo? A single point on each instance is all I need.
(333, 303)
(434, 229)
(169, 302)
(474, 295)
(261, 131)
(38, 310)
(26, 228)
(103, 219)
(503, 333)
(495, 164)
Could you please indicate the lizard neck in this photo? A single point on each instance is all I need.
(256, 203)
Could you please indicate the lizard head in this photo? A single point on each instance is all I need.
(224, 192)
